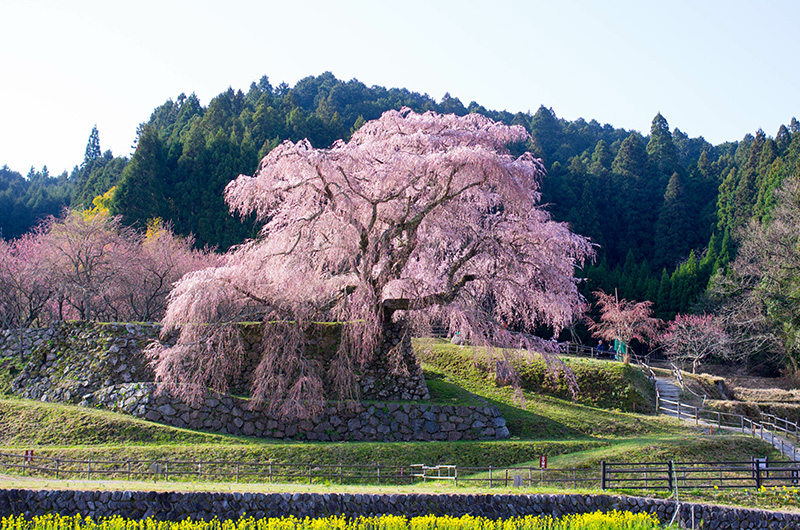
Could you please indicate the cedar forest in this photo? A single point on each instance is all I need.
(666, 211)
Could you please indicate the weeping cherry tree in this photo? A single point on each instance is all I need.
(420, 218)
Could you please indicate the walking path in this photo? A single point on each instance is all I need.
(668, 390)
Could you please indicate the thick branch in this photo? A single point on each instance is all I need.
(391, 305)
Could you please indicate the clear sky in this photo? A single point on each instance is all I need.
(717, 69)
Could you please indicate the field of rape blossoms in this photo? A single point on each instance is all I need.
(589, 521)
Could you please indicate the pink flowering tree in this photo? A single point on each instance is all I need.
(88, 254)
(419, 218)
(159, 258)
(27, 288)
(692, 338)
(624, 321)
(87, 265)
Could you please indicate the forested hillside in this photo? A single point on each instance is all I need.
(663, 208)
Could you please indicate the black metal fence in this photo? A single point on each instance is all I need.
(698, 475)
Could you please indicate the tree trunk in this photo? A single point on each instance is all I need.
(394, 373)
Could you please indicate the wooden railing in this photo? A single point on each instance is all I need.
(765, 430)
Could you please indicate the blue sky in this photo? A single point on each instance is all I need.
(718, 69)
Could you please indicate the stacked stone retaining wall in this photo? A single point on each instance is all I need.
(70, 360)
(176, 506)
(103, 365)
(379, 421)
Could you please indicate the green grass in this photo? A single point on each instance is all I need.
(604, 423)
(466, 454)
(664, 448)
(533, 415)
(25, 423)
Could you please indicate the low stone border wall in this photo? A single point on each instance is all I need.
(202, 505)
(339, 422)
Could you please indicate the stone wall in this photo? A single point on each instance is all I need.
(202, 505)
(103, 365)
(73, 359)
(380, 421)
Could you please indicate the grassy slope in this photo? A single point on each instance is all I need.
(532, 415)
(24, 423)
(573, 434)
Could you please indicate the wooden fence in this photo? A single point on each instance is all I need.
(698, 475)
(283, 472)
(611, 475)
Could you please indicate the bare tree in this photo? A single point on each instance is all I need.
(692, 338)
(759, 297)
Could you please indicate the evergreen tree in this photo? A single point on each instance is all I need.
(601, 159)
(546, 131)
(674, 224)
(631, 205)
(142, 191)
(661, 150)
(92, 147)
